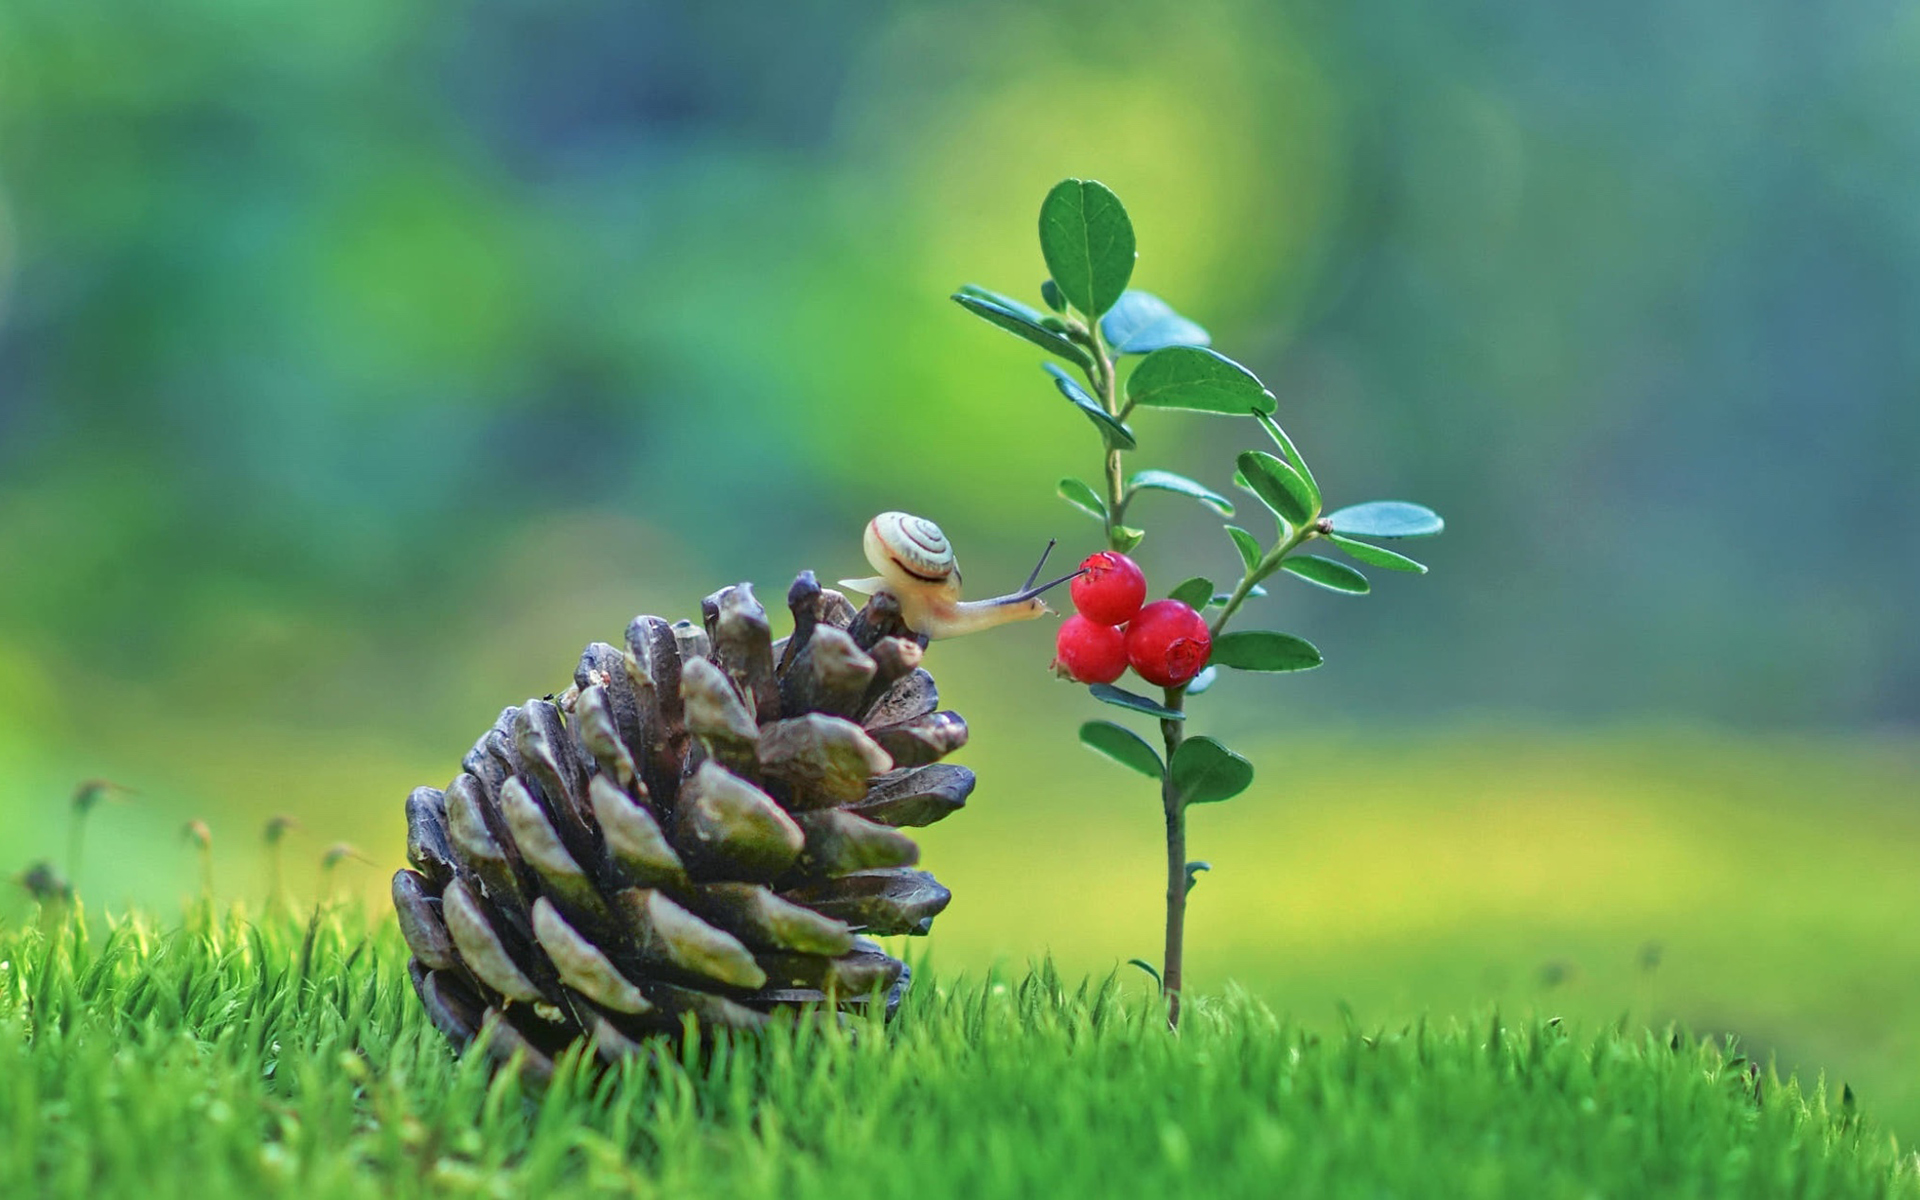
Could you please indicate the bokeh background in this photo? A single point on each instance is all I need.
(359, 362)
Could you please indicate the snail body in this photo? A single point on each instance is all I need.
(917, 567)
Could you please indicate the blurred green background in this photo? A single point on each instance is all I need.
(359, 362)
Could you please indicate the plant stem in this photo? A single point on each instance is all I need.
(1102, 377)
(1171, 732)
(1261, 570)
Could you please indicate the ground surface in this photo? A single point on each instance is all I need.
(1763, 888)
(260, 1061)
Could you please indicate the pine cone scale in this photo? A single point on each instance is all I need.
(427, 846)
(856, 973)
(916, 796)
(907, 696)
(839, 843)
(884, 903)
(421, 924)
(731, 830)
(637, 847)
(581, 965)
(667, 934)
(924, 740)
(481, 947)
(743, 646)
(762, 920)
(827, 760)
(478, 853)
(560, 874)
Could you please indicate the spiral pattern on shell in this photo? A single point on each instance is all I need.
(916, 543)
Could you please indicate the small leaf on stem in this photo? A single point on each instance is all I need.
(1021, 321)
(1335, 576)
(1141, 322)
(1247, 544)
(1194, 593)
(1386, 519)
(1116, 435)
(1206, 772)
(1167, 481)
(1126, 537)
(1083, 498)
(1198, 380)
(1264, 650)
(1050, 292)
(1123, 746)
(1193, 870)
(1106, 693)
(1378, 556)
(1254, 590)
(1287, 448)
(1087, 240)
(1279, 487)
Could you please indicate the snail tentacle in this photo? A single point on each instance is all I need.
(1039, 566)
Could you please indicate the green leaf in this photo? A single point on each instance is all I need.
(1263, 650)
(1149, 968)
(1199, 380)
(1106, 693)
(1194, 593)
(1001, 299)
(1386, 519)
(1336, 576)
(1377, 556)
(1083, 498)
(1248, 545)
(1201, 682)
(1287, 448)
(1167, 481)
(1193, 870)
(1205, 772)
(1220, 598)
(1126, 537)
(1123, 746)
(1016, 318)
(1142, 322)
(1087, 240)
(1050, 292)
(1112, 432)
(1279, 487)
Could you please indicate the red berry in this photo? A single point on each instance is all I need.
(1112, 589)
(1168, 643)
(1086, 652)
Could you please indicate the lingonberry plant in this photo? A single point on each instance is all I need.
(1134, 351)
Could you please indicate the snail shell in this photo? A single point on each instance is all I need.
(914, 545)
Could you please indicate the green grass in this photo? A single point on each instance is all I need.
(231, 1059)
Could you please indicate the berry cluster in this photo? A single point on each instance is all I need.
(1166, 642)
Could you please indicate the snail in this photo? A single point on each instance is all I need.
(918, 569)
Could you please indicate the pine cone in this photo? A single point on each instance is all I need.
(701, 827)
